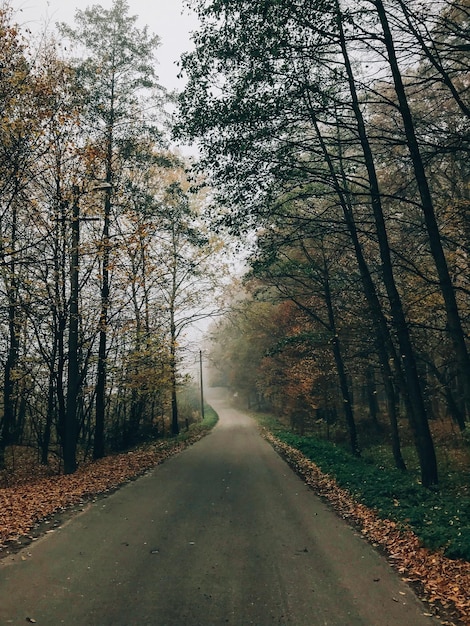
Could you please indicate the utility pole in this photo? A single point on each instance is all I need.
(201, 383)
(69, 434)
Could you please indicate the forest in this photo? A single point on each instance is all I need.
(333, 146)
(329, 157)
(101, 241)
(336, 135)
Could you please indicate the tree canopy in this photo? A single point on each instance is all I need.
(326, 117)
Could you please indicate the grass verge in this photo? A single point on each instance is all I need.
(440, 518)
(209, 421)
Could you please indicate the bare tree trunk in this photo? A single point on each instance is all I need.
(70, 426)
(175, 429)
(99, 444)
(341, 370)
(9, 385)
(418, 417)
(384, 344)
(454, 324)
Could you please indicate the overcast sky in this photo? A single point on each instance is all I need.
(165, 18)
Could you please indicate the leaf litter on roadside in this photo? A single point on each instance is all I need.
(444, 583)
(24, 504)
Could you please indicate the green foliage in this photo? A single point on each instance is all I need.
(189, 404)
(297, 127)
(466, 437)
(210, 420)
(439, 518)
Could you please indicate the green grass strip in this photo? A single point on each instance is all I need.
(439, 517)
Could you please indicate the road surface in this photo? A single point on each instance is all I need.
(222, 534)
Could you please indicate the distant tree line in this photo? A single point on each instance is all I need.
(337, 133)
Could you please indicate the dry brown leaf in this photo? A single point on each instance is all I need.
(437, 574)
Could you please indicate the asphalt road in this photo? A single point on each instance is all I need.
(224, 533)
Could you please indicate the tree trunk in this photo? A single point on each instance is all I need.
(8, 423)
(454, 324)
(341, 370)
(175, 429)
(371, 395)
(70, 427)
(384, 344)
(46, 435)
(419, 419)
(98, 446)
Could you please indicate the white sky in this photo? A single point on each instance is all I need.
(165, 18)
